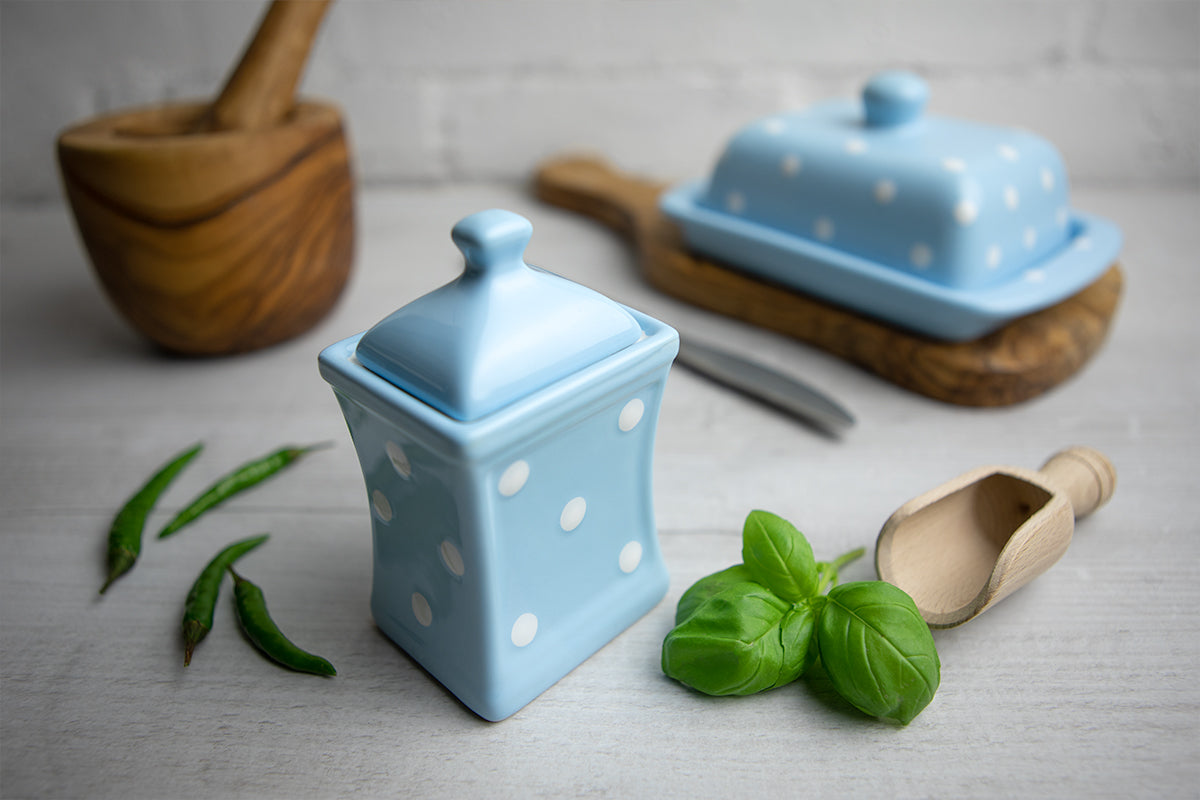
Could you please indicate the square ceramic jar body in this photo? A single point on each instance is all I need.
(509, 549)
(511, 545)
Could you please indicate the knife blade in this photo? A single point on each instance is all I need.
(766, 384)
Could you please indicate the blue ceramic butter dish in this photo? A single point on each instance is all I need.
(941, 226)
(505, 428)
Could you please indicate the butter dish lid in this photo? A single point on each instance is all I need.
(498, 332)
(952, 201)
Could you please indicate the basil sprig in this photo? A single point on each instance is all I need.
(762, 624)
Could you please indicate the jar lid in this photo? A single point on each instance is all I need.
(501, 330)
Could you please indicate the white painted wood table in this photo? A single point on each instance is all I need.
(1085, 683)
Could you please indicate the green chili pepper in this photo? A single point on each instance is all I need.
(202, 599)
(240, 479)
(125, 535)
(264, 634)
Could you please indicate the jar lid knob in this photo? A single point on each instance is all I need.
(492, 241)
(894, 98)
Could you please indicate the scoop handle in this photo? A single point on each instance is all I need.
(1084, 475)
(262, 88)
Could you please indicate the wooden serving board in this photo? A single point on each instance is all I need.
(1015, 363)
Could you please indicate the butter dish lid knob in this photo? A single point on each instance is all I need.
(894, 98)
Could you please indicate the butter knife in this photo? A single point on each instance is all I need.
(766, 384)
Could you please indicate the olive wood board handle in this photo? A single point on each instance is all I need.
(1021, 360)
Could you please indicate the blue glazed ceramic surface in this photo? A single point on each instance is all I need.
(942, 226)
(510, 546)
(499, 331)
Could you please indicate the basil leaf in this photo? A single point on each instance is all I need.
(731, 643)
(708, 586)
(779, 557)
(796, 631)
(878, 652)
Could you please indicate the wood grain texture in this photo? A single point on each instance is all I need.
(1022, 360)
(966, 545)
(217, 243)
(221, 227)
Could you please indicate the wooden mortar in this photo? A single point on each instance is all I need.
(225, 226)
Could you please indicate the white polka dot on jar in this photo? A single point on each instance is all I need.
(524, 630)
(774, 126)
(399, 459)
(791, 165)
(1008, 152)
(921, 255)
(1035, 275)
(885, 192)
(572, 514)
(513, 478)
(631, 415)
(735, 202)
(856, 146)
(1062, 217)
(421, 610)
(1030, 238)
(630, 557)
(452, 558)
(955, 165)
(381, 506)
(965, 212)
(823, 229)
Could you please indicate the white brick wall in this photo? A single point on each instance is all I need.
(439, 90)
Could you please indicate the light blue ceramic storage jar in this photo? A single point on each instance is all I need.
(946, 227)
(505, 427)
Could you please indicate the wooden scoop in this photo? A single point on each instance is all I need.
(1021, 360)
(225, 226)
(963, 547)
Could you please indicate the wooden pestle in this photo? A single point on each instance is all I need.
(964, 546)
(224, 226)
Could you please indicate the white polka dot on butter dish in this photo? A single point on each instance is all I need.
(774, 126)
(735, 202)
(1047, 180)
(955, 165)
(1008, 152)
(920, 255)
(1030, 238)
(514, 478)
(1012, 198)
(790, 165)
(965, 212)
(524, 630)
(856, 146)
(885, 192)
(994, 256)
(823, 229)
